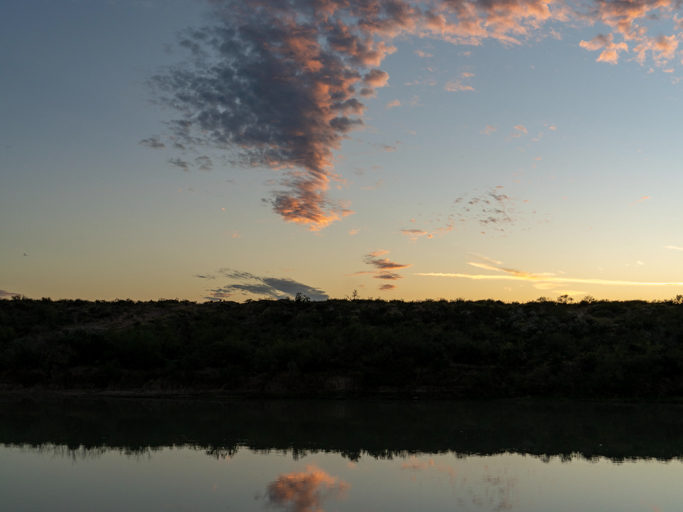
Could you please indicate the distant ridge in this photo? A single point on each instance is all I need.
(458, 349)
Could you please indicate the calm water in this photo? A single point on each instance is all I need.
(308, 456)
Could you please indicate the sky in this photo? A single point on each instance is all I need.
(401, 149)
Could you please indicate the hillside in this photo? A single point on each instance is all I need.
(346, 348)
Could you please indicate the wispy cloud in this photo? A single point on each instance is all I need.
(429, 82)
(393, 104)
(519, 130)
(152, 142)
(441, 227)
(245, 284)
(492, 209)
(674, 247)
(545, 280)
(375, 260)
(509, 271)
(488, 130)
(179, 163)
(415, 234)
(459, 84)
(203, 163)
(492, 261)
(384, 268)
(390, 276)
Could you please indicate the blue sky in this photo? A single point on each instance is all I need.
(526, 161)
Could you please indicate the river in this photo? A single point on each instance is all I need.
(95, 453)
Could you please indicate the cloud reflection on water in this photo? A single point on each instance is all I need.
(489, 491)
(305, 491)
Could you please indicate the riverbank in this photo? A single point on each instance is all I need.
(342, 348)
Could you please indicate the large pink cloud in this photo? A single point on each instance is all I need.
(281, 84)
(628, 19)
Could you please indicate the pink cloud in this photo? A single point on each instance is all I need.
(415, 234)
(623, 15)
(609, 49)
(519, 130)
(642, 199)
(625, 18)
(662, 48)
(457, 86)
(376, 78)
(323, 56)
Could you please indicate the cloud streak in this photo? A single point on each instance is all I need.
(540, 280)
(555, 280)
(382, 264)
(416, 234)
(384, 268)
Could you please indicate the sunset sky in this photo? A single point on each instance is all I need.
(406, 149)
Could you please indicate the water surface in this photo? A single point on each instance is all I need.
(310, 456)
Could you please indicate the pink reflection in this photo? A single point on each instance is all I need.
(305, 491)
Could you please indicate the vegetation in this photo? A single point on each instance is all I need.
(347, 347)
